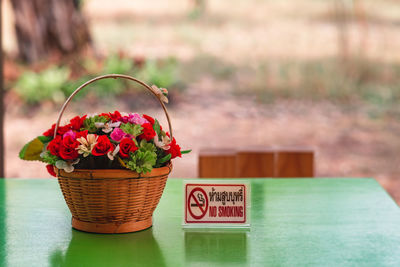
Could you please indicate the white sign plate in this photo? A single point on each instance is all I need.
(216, 203)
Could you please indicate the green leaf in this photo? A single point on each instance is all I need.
(45, 139)
(164, 159)
(145, 146)
(32, 150)
(142, 162)
(157, 128)
(186, 151)
(89, 123)
(48, 157)
(132, 129)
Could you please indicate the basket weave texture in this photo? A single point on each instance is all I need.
(112, 196)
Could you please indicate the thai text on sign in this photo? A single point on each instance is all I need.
(215, 203)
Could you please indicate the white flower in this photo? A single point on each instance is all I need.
(164, 143)
(66, 166)
(162, 93)
(111, 155)
(86, 144)
(107, 127)
(99, 124)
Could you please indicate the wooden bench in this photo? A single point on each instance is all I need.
(229, 163)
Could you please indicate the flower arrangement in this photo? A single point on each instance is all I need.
(111, 140)
(81, 153)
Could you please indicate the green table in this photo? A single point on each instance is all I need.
(295, 222)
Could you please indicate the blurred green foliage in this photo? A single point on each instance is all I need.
(46, 85)
(358, 81)
(114, 64)
(164, 74)
(361, 81)
(54, 83)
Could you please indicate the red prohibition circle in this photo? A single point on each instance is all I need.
(191, 195)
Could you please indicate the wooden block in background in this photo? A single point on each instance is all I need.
(227, 163)
(255, 164)
(297, 163)
(217, 163)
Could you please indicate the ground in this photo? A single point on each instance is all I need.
(221, 104)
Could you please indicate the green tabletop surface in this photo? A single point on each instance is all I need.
(294, 222)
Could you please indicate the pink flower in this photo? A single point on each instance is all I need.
(117, 134)
(124, 119)
(70, 133)
(136, 119)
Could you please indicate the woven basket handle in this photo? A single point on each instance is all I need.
(114, 76)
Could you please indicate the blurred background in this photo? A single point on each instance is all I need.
(241, 73)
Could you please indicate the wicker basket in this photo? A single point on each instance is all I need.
(112, 200)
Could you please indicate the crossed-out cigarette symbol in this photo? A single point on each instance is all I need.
(200, 201)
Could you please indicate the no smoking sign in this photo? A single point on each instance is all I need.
(217, 203)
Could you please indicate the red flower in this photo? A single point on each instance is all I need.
(77, 122)
(174, 149)
(60, 131)
(116, 116)
(68, 148)
(50, 169)
(103, 146)
(107, 115)
(127, 145)
(63, 129)
(82, 134)
(148, 132)
(54, 146)
(50, 132)
(148, 118)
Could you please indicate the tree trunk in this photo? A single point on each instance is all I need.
(45, 27)
(2, 169)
